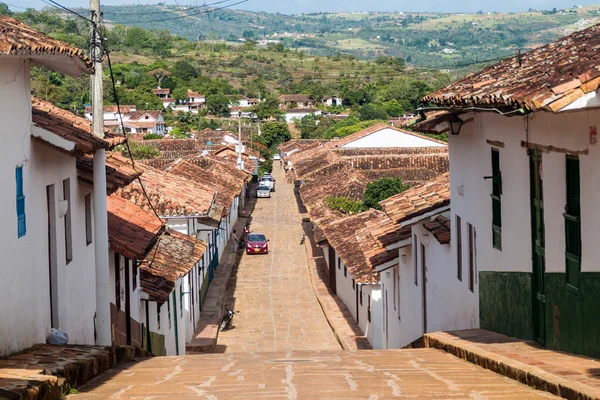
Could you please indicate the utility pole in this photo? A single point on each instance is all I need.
(240, 163)
(103, 332)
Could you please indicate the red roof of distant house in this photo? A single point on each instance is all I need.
(160, 90)
(20, 40)
(298, 98)
(547, 78)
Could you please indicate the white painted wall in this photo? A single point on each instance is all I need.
(24, 278)
(391, 138)
(290, 116)
(471, 160)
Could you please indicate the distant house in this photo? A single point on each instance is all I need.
(133, 120)
(163, 94)
(332, 101)
(292, 114)
(294, 101)
(194, 102)
(238, 101)
(382, 136)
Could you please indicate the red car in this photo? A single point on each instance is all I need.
(257, 243)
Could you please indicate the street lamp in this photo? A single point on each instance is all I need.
(455, 124)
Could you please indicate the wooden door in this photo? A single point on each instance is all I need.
(332, 268)
(538, 246)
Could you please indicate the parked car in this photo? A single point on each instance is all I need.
(276, 157)
(267, 180)
(257, 243)
(263, 191)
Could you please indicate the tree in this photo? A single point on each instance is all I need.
(218, 104)
(4, 10)
(274, 133)
(184, 71)
(138, 38)
(393, 108)
(382, 189)
(248, 34)
(159, 74)
(371, 111)
(268, 108)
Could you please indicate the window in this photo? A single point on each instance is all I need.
(180, 300)
(158, 315)
(68, 236)
(369, 308)
(394, 277)
(339, 263)
(134, 268)
(118, 281)
(361, 295)
(345, 272)
(88, 219)
(398, 277)
(573, 222)
(496, 201)
(471, 233)
(353, 285)
(415, 260)
(169, 309)
(21, 218)
(459, 247)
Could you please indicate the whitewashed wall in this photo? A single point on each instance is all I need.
(391, 138)
(471, 160)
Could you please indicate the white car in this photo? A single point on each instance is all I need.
(276, 157)
(263, 191)
(267, 180)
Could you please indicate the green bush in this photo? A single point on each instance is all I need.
(382, 189)
(344, 205)
(152, 136)
(139, 151)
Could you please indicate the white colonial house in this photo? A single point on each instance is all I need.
(194, 102)
(381, 136)
(163, 94)
(296, 114)
(332, 101)
(523, 176)
(133, 120)
(427, 290)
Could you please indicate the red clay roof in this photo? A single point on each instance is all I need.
(161, 91)
(171, 195)
(136, 115)
(18, 39)
(440, 227)
(547, 78)
(298, 98)
(125, 108)
(119, 171)
(174, 256)
(70, 127)
(132, 231)
(418, 200)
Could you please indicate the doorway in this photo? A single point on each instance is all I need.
(538, 246)
(332, 267)
(52, 256)
(424, 286)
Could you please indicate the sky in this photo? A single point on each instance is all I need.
(307, 6)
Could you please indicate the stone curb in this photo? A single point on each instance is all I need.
(513, 369)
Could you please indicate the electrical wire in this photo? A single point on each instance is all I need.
(187, 15)
(165, 11)
(58, 5)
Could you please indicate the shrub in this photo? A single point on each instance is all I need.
(152, 136)
(139, 151)
(382, 189)
(344, 205)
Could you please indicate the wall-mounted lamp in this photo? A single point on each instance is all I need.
(455, 124)
(63, 206)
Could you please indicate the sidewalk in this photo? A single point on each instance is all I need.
(48, 372)
(207, 331)
(339, 317)
(565, 375)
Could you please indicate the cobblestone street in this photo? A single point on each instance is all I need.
(277, 308)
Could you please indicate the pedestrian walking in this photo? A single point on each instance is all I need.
(235, 242)
(280, 163)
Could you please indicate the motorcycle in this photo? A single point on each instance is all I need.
(226, 320)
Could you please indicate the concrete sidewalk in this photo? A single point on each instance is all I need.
(339, 317)
(565, 375)
(207, 331)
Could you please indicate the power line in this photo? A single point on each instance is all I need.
(165, 11)
(185, 16)
(57, 5)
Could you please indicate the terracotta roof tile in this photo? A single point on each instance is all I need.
(533, 81)
(174, 256)
(440, 228)
(125, 108)
(132, 231)
(298, 98)
(18, 39)
(170, 195)
(137, 115)
(160, 90)
(418, 200)
(70, 127)
(119, 171)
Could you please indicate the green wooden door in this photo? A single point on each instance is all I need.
(538, 244)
